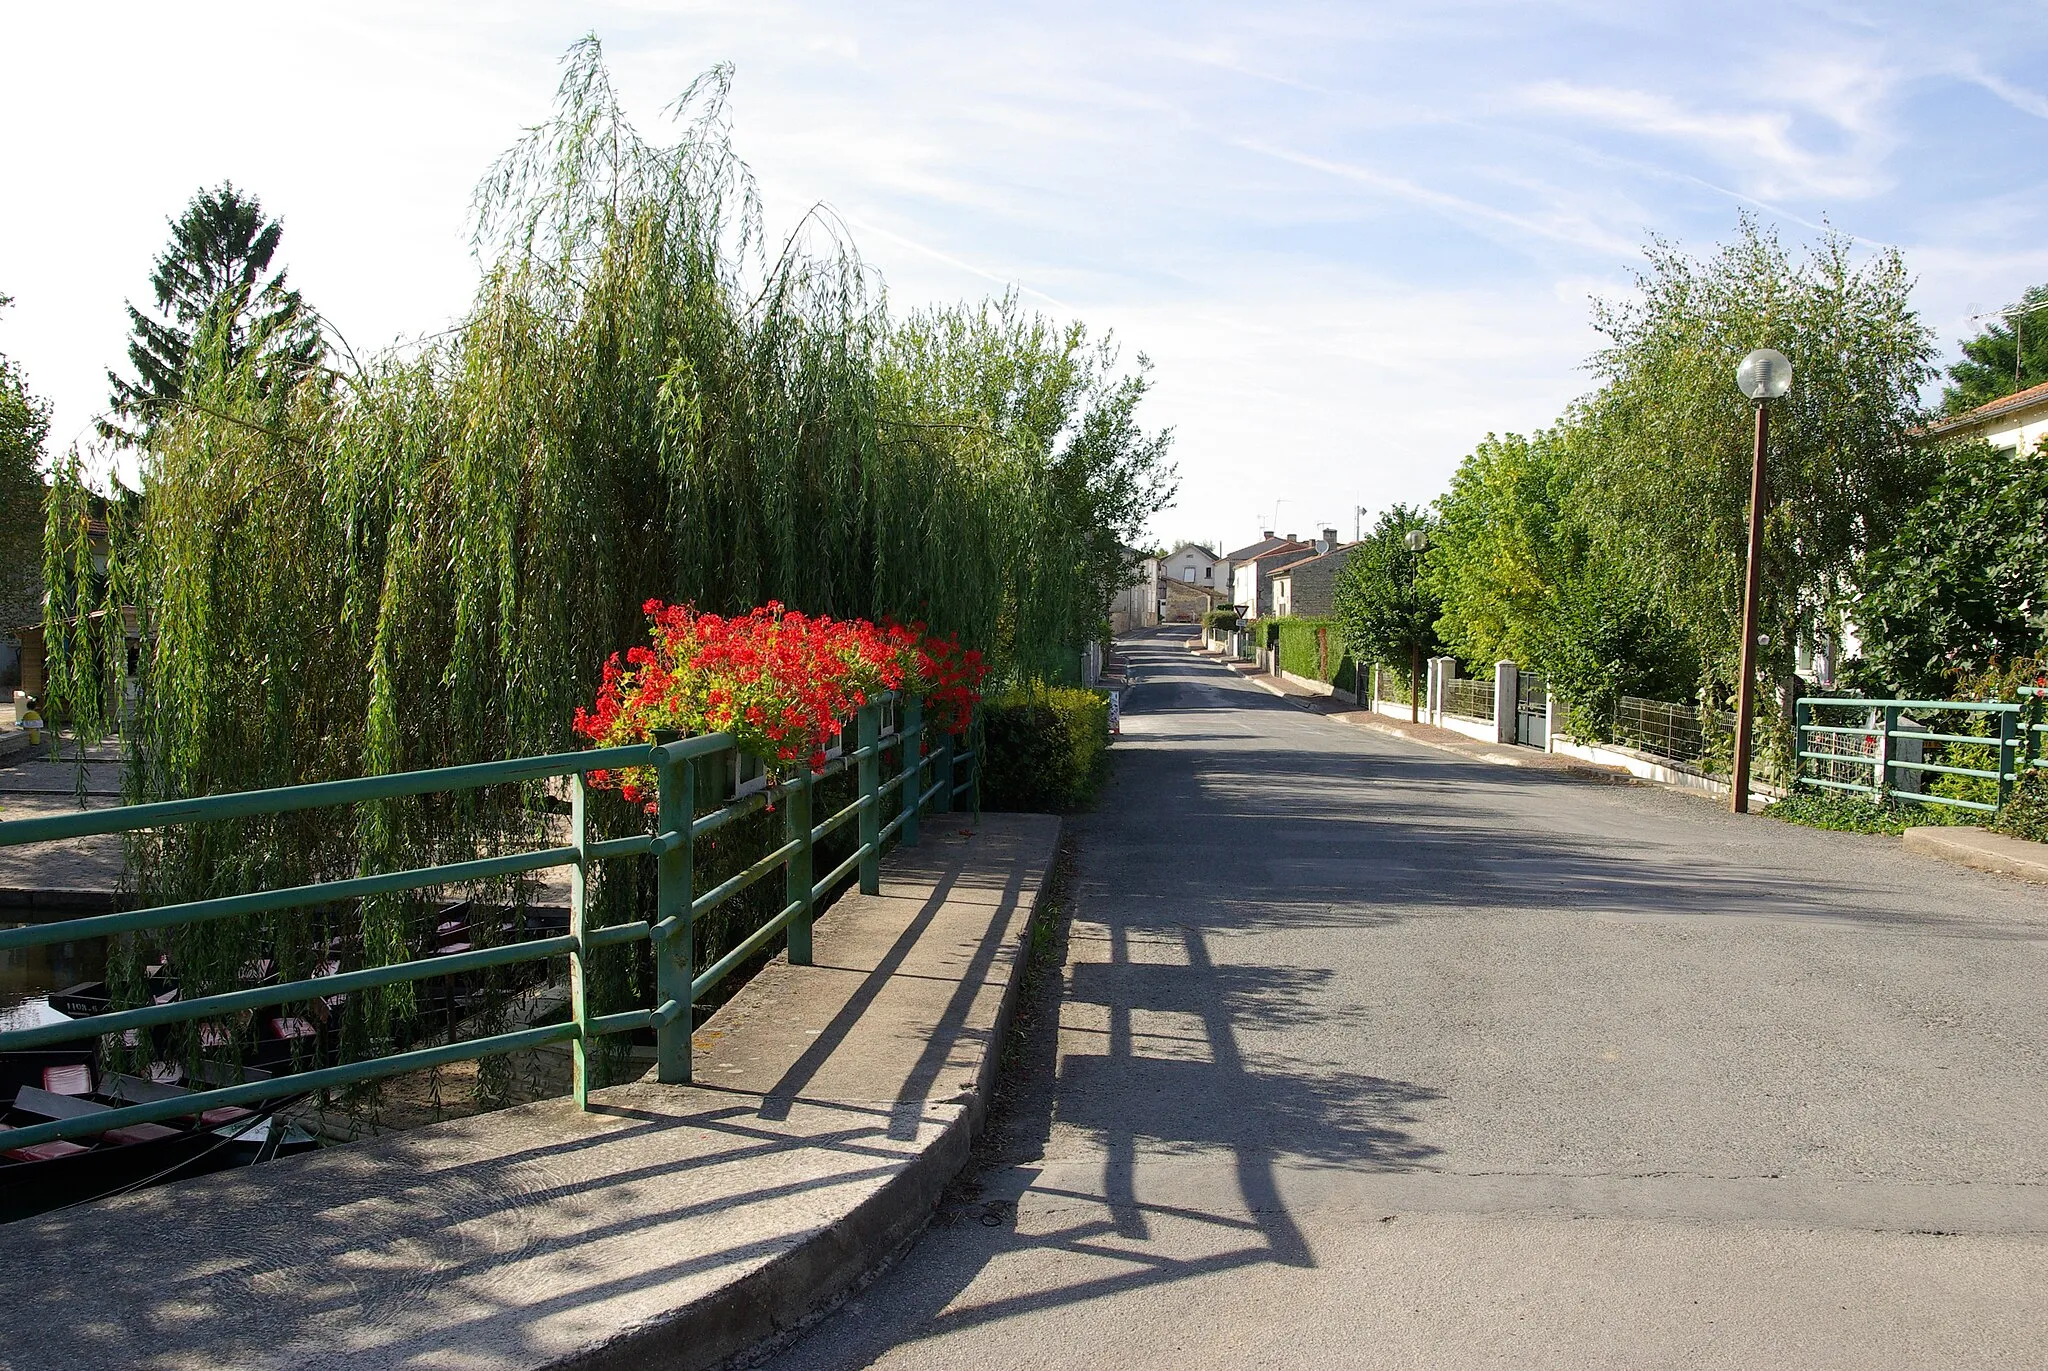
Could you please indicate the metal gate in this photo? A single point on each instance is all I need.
(1532, 710)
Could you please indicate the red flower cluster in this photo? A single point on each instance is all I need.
(781, 682)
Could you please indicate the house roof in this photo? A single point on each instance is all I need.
(1258, 549)
(1312, 557)
(1197, 547)
(1284, 552)
(1994, 409)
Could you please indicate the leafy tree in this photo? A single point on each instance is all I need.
(1963, 585)
(1667, 453)
(2008, 356)
(214, 275)
(1383, 604)
(24, 427)
(1521, 579)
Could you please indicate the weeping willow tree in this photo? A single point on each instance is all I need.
(424, 560)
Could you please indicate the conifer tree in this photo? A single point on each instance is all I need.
(216, 273)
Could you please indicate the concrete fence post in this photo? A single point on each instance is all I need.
(1506, 707)
(1550, 729)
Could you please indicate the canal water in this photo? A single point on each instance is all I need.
(31, 973)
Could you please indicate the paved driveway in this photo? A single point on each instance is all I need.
(1373, 1056)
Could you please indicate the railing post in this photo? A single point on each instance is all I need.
(1888, 720)
(796, 877)
(2009, 738)
(675, 808)
(911, 791)
(579, 989)
(942, 773)
(1802, 715)
(979, 741)
(869, 736)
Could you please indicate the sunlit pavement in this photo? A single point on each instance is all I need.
(1373, 1056)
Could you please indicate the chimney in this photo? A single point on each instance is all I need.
(1329, 538)
(1292, 539)
(1266, 533)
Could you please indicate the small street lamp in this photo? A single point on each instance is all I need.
(1763, 376)
(1416, 540)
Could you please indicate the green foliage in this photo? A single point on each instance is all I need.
(1841, 812)
(426, 561)
(24, 427)
(1667, 456)
(2025, 812)
(1314, 647)
(1523, 578)
(1963, 583)
(1221, 619)
(211, 279)
(1386, 610)
(2009, 355)
(1044, 747)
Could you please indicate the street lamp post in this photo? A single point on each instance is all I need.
(1763, 376)
(1416, 540)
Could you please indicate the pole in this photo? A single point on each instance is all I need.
(1414, 682)
(1745, 688)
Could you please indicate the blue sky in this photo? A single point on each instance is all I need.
(1353, 239)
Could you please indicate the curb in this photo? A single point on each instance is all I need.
(769, 1308)
(1984, 851)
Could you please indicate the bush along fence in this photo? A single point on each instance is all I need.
(1044, 747)
(1959, 754)
(692, 787)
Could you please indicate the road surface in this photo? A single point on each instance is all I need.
(1372, 1056)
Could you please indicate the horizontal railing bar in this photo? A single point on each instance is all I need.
(932, 793)
(263, 901)
(625, 1021)
(717, 971)
(889, 829)
(852, 861)
(639, 845)
(733, 885)
(286, 799)
(698, 745)
(263, 996)
(892, 785)
(1839, 785)
(637, 931)
(1948, 770)
(1841, 757)
(1867, 730)
(843, 817)
(1966, 738)
(967, 784)
(1943, 800)
(1974, 706)
(304, 1082)
(738, 809)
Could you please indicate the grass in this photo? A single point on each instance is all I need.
(1846, 813)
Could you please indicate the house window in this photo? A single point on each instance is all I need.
(1208, 573)
(1188, 574)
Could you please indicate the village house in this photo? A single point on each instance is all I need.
(1251, 568)
(2018, 421)
(1307, 586)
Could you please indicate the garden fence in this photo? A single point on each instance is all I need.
(1469, 699)
(1970, 752)
(687, 770)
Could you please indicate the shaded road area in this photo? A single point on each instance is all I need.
(1368, 1055)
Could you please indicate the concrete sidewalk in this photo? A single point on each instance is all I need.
(669, 1227)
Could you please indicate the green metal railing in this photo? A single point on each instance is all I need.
(2015, 736)
(940, 779)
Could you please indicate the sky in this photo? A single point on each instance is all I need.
(1352, 239)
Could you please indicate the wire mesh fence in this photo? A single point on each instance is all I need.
(1469, 699)
(1392, 685)
(1679, 733)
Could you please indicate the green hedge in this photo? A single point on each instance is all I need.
(1314, 647)
(1044, 747)
(2025, 812)
(1220, 618)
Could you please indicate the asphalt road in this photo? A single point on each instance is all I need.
(1368, 1055)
